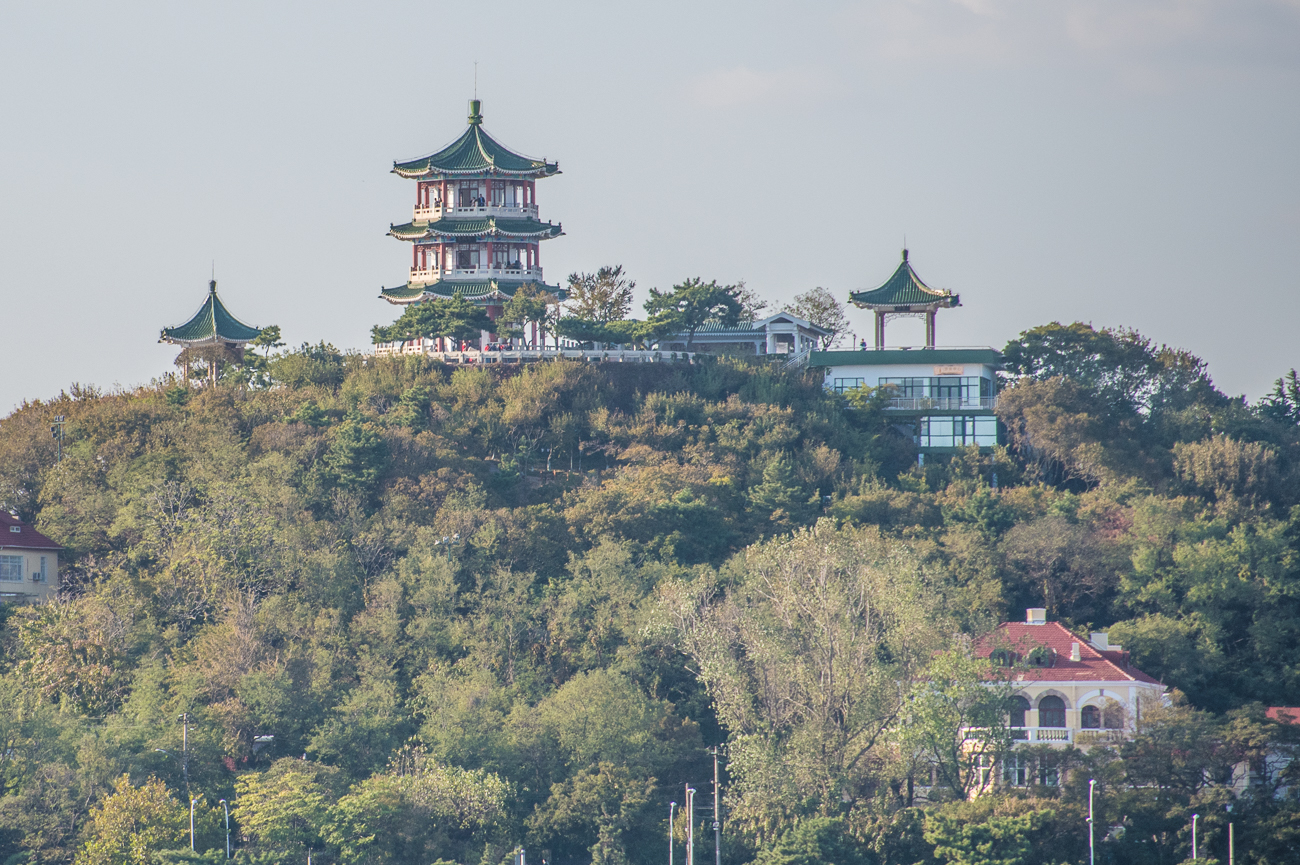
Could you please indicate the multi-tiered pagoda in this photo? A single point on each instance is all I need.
(475, 228)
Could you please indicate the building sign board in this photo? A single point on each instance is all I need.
(949, 369)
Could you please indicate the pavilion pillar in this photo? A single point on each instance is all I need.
(929, 328)
(880, 329)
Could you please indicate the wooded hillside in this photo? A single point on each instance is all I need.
(410, 613)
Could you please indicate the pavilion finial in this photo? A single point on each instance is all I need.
(212, 287)
(475, 112)
(904, 253)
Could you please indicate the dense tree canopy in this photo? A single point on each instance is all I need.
(416, 613)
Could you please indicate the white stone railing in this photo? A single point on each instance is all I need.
(510, 356)
(510, 211)
(1059, 735)
(420, 276)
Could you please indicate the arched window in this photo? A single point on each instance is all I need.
(1003, 657)
(1090, 718)
(1051, 712)
(1112, 717)
(1018, 707)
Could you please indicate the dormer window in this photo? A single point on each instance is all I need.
(1003, 657)
(15, 529)
(1041, 657)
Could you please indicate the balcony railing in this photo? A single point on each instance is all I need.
(928, 403)
(1043, 734)
(513, 211)
(421, 276)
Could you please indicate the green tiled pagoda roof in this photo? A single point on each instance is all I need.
(904, 289)
(470, 289)
(490, 226)
(475, 152)
(713, 327)
(211, 324)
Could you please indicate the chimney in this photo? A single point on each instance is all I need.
(1100, 641)
(1036, 616)
(1075, 654)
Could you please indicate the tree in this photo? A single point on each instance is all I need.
(269, 338)
(751, 305)
(529, 304)
(823, 309)
(286, 807)
(605, 295)
(1283, 404)
(454, 317)
(133, 824)
(694, 303)
(808, 659)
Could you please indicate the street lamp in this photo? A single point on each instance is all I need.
(226, 805)
(1195, 817)
(192, 801)
(1092, 829)
(690, 826)
(671, 806)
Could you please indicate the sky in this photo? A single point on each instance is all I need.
(1129, 163)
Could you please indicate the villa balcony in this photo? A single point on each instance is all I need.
(424, 276)
(1054, 735)
(507, 211)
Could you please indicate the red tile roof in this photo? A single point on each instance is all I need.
(1093, 665)
(1285, 714)
(26, 538)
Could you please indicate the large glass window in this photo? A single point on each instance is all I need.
(943, 391)
(950, 431)
(1019, 708)
(11, 569)
(1090, 718)
(1051, 712)
(840, 385)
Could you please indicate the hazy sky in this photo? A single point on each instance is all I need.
(1124, 162)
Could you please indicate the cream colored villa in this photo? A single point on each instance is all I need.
(1071, 691)
(29, 562)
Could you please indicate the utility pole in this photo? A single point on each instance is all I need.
(1092, 829)
(1195, 817)
(717, 815)
(192, 801)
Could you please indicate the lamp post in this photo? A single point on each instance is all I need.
(1092, 828)
(690, 826)
(1195, 817)
(671, 807)
(192, 801)
(226, 805)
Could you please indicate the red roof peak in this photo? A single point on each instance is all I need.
(25, 538)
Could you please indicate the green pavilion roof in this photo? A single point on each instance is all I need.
(904, 289)
(213, 323)
(489, 226)
(481, 290)
(475, 152)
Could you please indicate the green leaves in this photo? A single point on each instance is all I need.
(694, 303)
(454, 317)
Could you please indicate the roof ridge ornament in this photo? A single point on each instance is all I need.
(476, 112)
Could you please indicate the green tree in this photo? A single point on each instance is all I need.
(527, 305)
(132, 824)
(822, 308)
(268, 338)
(356, 455)
(986, 834)
(692, 304)
(287, 806)
(603, 296)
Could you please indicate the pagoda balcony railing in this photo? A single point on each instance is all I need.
(423, 276)
(940, 403)
(516, 211)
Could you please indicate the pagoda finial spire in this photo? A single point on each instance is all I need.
(475, 112)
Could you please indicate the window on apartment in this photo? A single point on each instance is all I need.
(44, 574)
(11, 569)
(1051, 712)
(840, 385)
